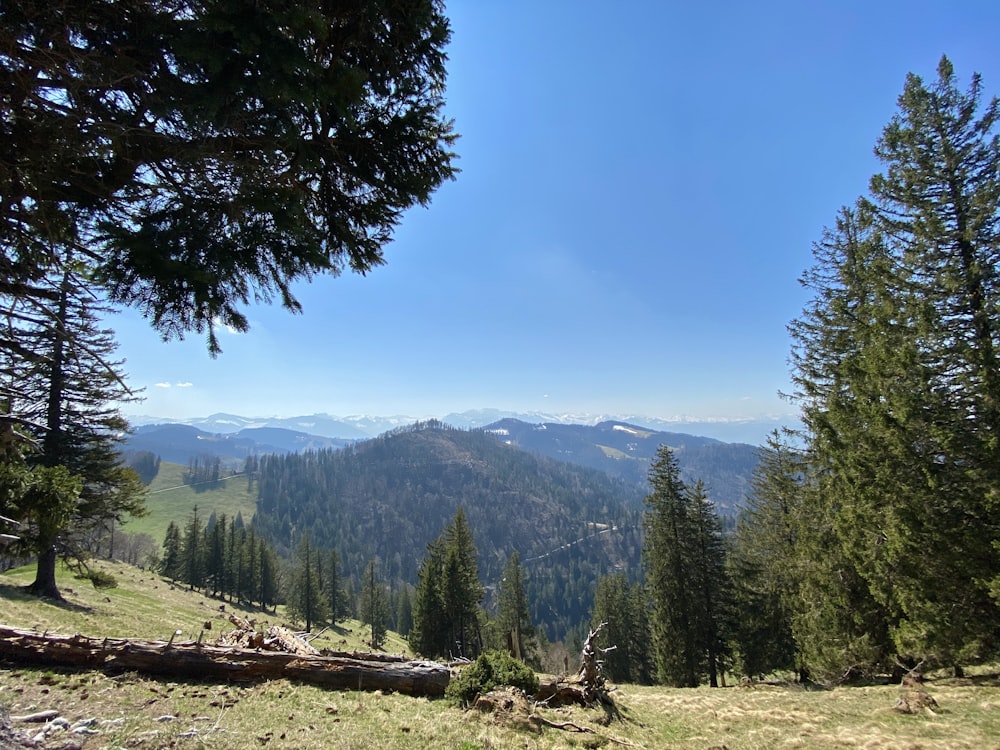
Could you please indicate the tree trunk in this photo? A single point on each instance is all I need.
(45, 576)
(204, 662)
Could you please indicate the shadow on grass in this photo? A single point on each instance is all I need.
(16, 593)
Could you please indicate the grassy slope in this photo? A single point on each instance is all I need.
(284, 715)
(169, 499)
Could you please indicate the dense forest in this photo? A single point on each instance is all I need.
(388, 498)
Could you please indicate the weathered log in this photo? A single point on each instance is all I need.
(206, 662)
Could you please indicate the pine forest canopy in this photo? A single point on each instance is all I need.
(204, 155)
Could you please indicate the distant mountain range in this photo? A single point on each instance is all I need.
(619, 449)
(359, 427)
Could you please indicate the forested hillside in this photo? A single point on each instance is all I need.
(388, 498)
(626, 451)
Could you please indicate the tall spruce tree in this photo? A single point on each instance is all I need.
(61, 388)
(713, 591)
(446, 610)
(763, 561)
(306, 598)
(613, 608)
(667, 557)
(373, 609)
(513, 617)
(896, 367)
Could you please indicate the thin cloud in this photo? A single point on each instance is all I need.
(162, 385)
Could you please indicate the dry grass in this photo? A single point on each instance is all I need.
(144, 712)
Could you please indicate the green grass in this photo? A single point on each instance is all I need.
(281, 714)
(169, 499)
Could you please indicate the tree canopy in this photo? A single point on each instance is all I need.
(205, 155)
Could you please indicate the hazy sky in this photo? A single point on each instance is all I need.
(641, 185)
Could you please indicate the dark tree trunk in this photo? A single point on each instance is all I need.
(45, 576)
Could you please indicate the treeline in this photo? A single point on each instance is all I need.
(229, 560)
(871, 540)
(225, 559)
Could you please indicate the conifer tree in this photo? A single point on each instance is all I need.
(170, 563)
(897, 372)
(763, 561)
(306, 599)
(513, 616)
(613, 608)
(60, 387)
(372, 605)
(193, 551)
(667, 556)
(429, 635)
(711, 582)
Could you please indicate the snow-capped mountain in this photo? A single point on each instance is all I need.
(359, 427)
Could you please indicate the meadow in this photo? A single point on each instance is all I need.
(170, 499)
(130, 710)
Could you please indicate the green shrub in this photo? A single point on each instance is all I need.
(102, 579)
(492, 669)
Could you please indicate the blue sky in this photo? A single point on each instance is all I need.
(641, 185)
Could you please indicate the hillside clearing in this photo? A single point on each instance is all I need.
(131, 710)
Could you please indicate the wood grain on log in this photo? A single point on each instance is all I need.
(205, 662)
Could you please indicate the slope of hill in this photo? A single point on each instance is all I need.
(626, 451)
(388, 498)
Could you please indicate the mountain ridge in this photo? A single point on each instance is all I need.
(360, 426)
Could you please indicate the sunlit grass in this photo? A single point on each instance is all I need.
(169, 499)
(281, 714)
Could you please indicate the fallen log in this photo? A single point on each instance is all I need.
(202, 661)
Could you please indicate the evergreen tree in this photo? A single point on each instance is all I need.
(513, 616)
(446, 609)
(897, 374)
(215, 554)
(763, 561)
(268, 582)
(170, 564)
(214, 156)
(306, 599)
(193, 552)
(463, 591)
(60, 388)
(641, 665)
(667, 556)
(429, 635)
(613, 608)
(711, 583)
(334, 587)
(372, 606)
(404, 612)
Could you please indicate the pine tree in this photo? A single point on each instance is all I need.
(762, 562)
(193, 552)
(513, 617)
(170, 564)
(667, 555)
(372, 606)
(897, 371)
(306, 600)
(60, 388)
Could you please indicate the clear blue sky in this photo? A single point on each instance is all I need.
(641, 185)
